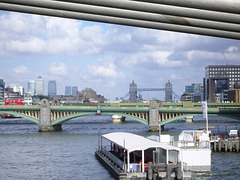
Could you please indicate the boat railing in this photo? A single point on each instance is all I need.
(112, 157)
(191, 144)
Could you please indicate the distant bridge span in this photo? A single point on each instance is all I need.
(50, 118)
(218, 18)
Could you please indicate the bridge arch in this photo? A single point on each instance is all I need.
(187, 115)
(21, 115)
(66, 118)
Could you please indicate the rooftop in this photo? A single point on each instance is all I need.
(132, 142)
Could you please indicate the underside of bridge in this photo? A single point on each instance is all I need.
(219, 18)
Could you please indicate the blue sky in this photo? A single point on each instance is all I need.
(105, 57)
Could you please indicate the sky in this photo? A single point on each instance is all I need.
(105, 57)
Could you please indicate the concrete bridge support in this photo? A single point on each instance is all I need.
(45, 118)
(189, 119)
(117, 118)
(153, 117)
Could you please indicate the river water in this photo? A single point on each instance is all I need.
(26, 153)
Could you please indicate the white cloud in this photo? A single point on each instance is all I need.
(151, 59)
(22, 69)
(58, 69)
(105, 68)
(232, 49)
(33, 45)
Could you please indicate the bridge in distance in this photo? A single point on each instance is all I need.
(50, 118)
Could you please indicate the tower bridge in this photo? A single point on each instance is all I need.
(133, 90)
(51, 118)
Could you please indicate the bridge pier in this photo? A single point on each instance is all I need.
(117, 118)
(153, 117)
(45, 118)
(189, 119)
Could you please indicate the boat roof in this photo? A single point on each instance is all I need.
(135, 142)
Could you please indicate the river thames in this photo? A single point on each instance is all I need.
(70, 154)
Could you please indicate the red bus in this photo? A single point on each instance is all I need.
(15, 102)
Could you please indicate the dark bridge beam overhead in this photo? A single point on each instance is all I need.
(131, 13)
(228, 6)
(164, 9)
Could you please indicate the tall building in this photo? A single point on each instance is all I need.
(74, 90)
(31, 87)
(68, 90)
(168, 91)
(39, 86)
(52, 88)
(219, 78)
(189, 89)
(2, 87)
(194, 87)
(133, 92)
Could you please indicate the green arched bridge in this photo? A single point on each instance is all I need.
(51, 118)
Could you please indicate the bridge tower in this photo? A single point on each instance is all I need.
(168, 92)
(45, 118)
(133, 92)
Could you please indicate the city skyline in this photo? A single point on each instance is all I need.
(105, 57)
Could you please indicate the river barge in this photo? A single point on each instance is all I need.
(129, 156)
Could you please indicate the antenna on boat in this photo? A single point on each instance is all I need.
(205, 113)
(160, 131)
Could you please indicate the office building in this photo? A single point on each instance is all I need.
(187, 97)
(219, 78)
(193, 93)
(2, 87)
(31, 88)
(74, 90)
(234, 95)
(52, 88)
(168, 92)
(133, 92)
(39, 86)
(68, 90)
(189, 89)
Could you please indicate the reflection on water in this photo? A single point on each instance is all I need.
(29, 154)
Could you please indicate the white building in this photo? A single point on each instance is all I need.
(17, 89)
(39, 86)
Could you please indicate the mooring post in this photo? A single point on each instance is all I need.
(45, 118)
(153, 116)
(226, 146)
(237, 146)
(220, 145)
(215, 146)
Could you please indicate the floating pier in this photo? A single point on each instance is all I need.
(129, 156)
